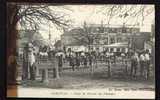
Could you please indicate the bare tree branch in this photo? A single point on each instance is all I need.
(38, 13)
(132, 11)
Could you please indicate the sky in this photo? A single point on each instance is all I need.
(90, 14)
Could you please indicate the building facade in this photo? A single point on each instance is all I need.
(116, 38)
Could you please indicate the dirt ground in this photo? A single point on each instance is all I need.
(83, 79)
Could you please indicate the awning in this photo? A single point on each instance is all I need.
(117, 45)
(78, 48)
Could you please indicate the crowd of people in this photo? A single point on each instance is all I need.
(138, 60)
(142, 61)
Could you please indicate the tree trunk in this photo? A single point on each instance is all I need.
(12, 32)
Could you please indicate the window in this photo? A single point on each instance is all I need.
(100, 42)
(119, 30)
(135, 30)
(106, 49)
(111, 49)
(124, 30)
(97, 41)
(106, 42)
(69, 49)
(112, 40)
(129, 30)
(109, 30)
(119, 39)
(118, 49)
(123, 49)
(106, 30)
(98, 29)
(97, 49)
(113, 30)
(101, 29)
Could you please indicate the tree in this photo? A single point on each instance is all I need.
(30, 16)
(86, 36)
(133, 13)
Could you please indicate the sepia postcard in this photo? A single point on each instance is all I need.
(81, 51)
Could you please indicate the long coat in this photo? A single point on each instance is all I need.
(25, 68)
(72, 61)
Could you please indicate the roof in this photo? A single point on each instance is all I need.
(100, 29)
(74, 31)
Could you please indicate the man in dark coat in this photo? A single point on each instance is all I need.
(72, 62)
(134, 64)
(85, 61)
(77, 61)
(25, 69)
(60, 62)
(90, 59)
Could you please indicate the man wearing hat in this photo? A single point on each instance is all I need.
(142, 63)
(25, 69)
(31, 58)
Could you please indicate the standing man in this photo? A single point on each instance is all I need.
(123, 57)
(72, 61)
(32, 60)
(134, 64)
(147, 63)
(91, 62)
(25, 69)
(142, 64)
(60, 62)
(95, 59)
(90, 59)
(85, 61)
(77, 61)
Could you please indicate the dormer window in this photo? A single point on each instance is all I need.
(123, 30)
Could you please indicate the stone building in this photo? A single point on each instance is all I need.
(113, 38)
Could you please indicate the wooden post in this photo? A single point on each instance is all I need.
(54, 73)
(37, 71)
(57, 73)
(126, 70)
(45, 75)
(57, 69)
(109, 69)
(92, 69)
(96, 63)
